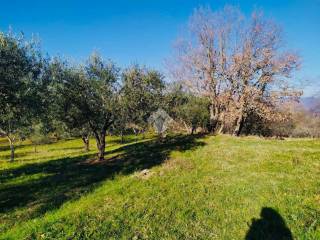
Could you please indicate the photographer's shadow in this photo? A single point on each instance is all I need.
(270, 226)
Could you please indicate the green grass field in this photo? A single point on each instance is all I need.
(196, 187)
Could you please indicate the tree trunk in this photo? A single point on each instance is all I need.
(100, 137)
(35, 148)
(219, 128)
(85, 140)
(219, 123)
(213, 119)
(11, 149)
(102, 146)
(239, 125)
(101, 143)
(240, 119)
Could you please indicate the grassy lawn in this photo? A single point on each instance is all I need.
(195, 188)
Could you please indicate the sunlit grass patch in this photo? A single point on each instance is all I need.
(183, 187)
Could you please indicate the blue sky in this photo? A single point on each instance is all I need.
(143, 31)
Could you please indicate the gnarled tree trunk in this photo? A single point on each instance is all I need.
(213, 118)
(216, 120)
(241, 116)
(100, 136)
(220, 123)
(239, 125)
(101, 144)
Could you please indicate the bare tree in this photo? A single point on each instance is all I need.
(238, 63)
(203, 59)
(260, 71)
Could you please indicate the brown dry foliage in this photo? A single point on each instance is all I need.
(239, 63)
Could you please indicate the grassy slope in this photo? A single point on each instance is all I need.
(197, 188)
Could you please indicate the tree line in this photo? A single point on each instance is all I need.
(41, 95)
(230, 74)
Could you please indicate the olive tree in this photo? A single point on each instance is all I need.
(20, 84)
(190, 110)
(62, 110)
(88, 98)
(141, 94)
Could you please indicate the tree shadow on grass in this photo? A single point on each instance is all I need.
(67, 148)
(126, 140)
(271, 226)
(69, 178)
(6, 157)
(6, 146)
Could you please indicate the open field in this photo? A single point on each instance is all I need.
(196, 187)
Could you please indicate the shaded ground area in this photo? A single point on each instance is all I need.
(68, 178)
